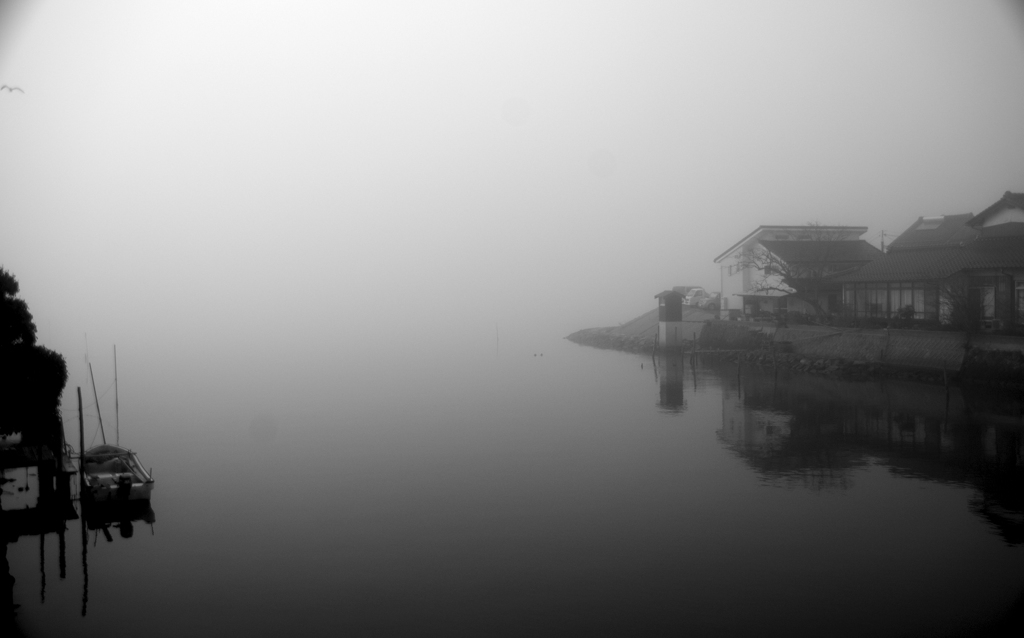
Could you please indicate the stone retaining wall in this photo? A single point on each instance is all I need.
(920, 349)
(735, 335)
(828, 343)
(901, 348)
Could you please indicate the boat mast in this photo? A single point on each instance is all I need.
(97, 399)
(117, 418)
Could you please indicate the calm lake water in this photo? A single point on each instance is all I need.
(574, 493)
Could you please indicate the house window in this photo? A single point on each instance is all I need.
(931, 302)
(906, 295)
(876, 302)
(886, 299)
(981, 301)
(988, 303)
(896, 298)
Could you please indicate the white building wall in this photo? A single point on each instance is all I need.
(670, 334)
(736, 282)
(1005, 217)
(20, 488)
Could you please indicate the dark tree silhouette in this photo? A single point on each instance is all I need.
(31, 376)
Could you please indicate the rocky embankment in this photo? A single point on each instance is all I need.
(633, 336)
(640, 334)
(608, 339)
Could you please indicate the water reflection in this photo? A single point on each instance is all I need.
(521, 498)
(100, 518)
(50, 517)
(815, 432)
(670, 370)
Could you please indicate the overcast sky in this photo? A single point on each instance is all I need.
(228, 174)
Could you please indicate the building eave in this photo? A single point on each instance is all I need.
(718, 259)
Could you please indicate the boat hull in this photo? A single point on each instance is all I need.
(113, 474)
(100, 489)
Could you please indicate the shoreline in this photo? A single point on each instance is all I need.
(933, 357)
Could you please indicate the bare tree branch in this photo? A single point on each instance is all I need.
(955, 307)
(805, 280)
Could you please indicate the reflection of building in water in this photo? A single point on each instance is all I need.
(763, 434)
(42, 514)
(815, 430)
(48, 514)
(671, 367)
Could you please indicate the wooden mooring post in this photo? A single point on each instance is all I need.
(81, 441)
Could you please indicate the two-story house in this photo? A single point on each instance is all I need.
(777, 269)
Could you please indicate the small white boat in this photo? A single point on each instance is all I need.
(112, 473)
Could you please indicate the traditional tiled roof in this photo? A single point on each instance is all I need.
(940, 262)
(1002, 230)
(860, 230)
(840, 252)
(949, 230)
(668, 293)
(1009, 200)
(770, 293)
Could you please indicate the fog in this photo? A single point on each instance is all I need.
(216, 187)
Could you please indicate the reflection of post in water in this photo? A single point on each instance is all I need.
(100, 517)
(81, 518)
(671, 382)
(7, 606)
(50, 511)
(42, 567)
(62, 562)
(85, 563)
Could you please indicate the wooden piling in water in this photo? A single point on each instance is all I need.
(81, 438)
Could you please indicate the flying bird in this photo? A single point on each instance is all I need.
(11, 89)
